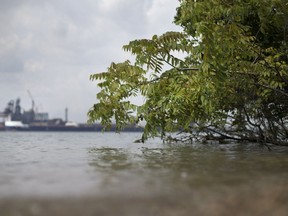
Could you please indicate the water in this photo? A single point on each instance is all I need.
(78, 165)
(56, 164)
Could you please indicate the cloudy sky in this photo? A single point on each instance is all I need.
(50, 47)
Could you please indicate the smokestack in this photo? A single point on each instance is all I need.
(66, 115)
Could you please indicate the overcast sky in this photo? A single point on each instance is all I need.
(50, 47)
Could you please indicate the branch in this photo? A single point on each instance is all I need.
(179, 69)
(248, 118)
(268, 87)
(223, 135)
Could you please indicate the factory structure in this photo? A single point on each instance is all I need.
(14, 117)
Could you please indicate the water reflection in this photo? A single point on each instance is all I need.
(106, 159)
(189, 166)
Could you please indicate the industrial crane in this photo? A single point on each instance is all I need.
(33, 102)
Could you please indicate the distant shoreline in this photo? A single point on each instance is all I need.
(80, 128)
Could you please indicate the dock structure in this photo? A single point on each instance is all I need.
(15, 118)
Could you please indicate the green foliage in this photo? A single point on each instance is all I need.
(231, 78)
(120, 82)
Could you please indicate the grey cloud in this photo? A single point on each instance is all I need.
(11, 64)
(130, 15)
(55, 45)
(10, 5)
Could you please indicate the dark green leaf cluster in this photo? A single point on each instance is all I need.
(119, 83)
(224, 76)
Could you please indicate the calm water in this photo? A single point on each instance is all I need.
(100, 164)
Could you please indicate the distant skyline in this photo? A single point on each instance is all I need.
(51, 47)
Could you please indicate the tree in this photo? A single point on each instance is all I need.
(232, 82)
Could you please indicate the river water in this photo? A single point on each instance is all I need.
(58, 166)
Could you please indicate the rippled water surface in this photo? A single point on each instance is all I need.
(99, 164)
